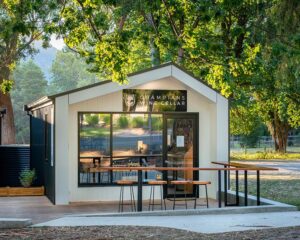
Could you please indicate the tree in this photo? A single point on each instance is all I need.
(241, 48)
(28, 77)
(21, 23)
(281, 54)
(69, 71)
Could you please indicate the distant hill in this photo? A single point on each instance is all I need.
(44, 58)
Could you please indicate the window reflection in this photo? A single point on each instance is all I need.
(136, 134)
(136, 141)
(94, 146)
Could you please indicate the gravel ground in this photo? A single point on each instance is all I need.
(137, 233)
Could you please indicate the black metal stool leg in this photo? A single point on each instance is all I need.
(206, 195)
(132, 199)
(121, 199)
(131, 203)
(161, 197)
(134, 206)
(153, 198)
(130, 191)
(174, 197)
(119, 209)
(195, 203)
(150, 198)
(185, 199)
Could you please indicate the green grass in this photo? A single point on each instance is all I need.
(263, 155)
(285, 189)
(94, 132)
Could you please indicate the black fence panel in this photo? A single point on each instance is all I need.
(13, 160)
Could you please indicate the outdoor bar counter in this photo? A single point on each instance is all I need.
(227, 167)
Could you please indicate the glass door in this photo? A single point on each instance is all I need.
(181, 144)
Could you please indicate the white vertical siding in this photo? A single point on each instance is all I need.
(213, 136)
(62, 167)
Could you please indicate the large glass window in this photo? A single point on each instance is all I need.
(136, 141)
(94, 146)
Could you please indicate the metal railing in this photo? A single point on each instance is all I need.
(239, 167)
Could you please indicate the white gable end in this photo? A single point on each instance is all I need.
(142, 78)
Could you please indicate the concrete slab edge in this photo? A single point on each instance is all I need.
(14, 222)
(212, 211)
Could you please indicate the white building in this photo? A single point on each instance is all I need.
(163, 117)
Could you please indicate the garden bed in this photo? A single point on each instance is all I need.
(21, 191)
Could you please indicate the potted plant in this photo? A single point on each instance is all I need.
(27, 177)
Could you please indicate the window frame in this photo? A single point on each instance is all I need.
(163, 114)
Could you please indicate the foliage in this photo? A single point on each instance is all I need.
(157, 123)
(123, 121)
(30, 85)
(68, 71)
(266, 155)
(242, 48)
(21, 23)
(137, 122)
(27, 177)
(250, 140)
(92, 119)
(106, 119)
(6, 86)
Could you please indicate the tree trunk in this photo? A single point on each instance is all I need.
(279, 131)
(180, 55)
(154, 53)
(8, 127)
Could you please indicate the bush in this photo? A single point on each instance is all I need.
(92, 119)
(27, 177)
(156, 123)
(123, 121)
(138, 122)
(106, 119)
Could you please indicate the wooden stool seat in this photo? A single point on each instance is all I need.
(180, 182)
(157, 182)
(201, 182)
(125, 182)
(153, 184)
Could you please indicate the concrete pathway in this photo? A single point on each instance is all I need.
(39, 209)
(199, 223)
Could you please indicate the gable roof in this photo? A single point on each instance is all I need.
(48, 99)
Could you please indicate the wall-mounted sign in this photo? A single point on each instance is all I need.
(179, 141)
(140, 100)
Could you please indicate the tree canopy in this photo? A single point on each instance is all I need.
(249, 50)
(28, 77)
(21, 23)
(69, 71)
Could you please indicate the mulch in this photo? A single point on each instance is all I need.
(144, 233)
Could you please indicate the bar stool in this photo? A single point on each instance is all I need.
(198, 184)
(124, 183)
(154, 183)
(179, 182)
